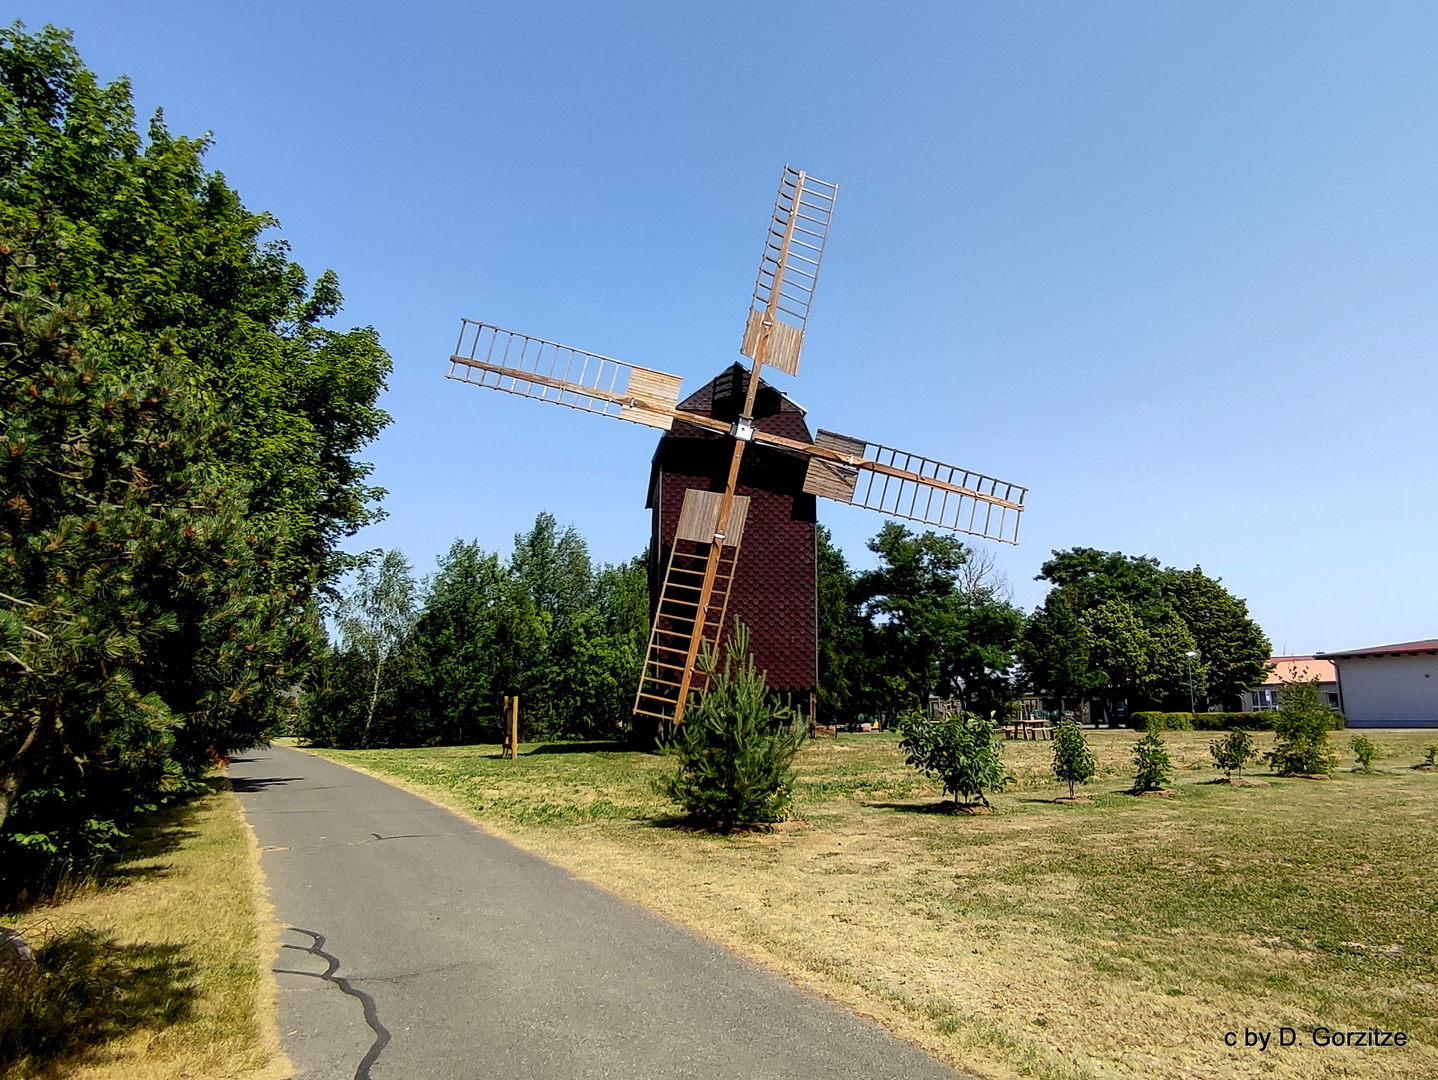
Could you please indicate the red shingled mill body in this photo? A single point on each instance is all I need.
(775, 591)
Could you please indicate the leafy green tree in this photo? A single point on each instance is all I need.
(978, 651)
(964, 750)
(470, 662)
(841, 633)
(927, 634)
(1150, 757)
(168, 256)
(553, 567)
(1232, 752)
(375, 620)
(1119, 650)
(1171, 677)
(736, 749)
(137, 637)
(1232, 648)
(1092, 578)
(1073, 760)
(1055, 652)
(1118, 628)
(1365, 750)
(182, 430)
(1300, 728)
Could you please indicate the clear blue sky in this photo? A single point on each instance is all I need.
(1173, 266)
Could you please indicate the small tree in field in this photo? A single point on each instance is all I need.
(1365, 750)
(1232, 752)
(1301, 726)
(1073, 761)
(962, 749)
(736, 747)
(1151, 757)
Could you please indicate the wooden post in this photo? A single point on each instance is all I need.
(510, 719)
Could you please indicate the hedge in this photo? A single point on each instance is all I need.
(1210, 721)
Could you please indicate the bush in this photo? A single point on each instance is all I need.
(736, 747)
(1232, 752)
(1073, 761)
(962, 749)
(1301, 725)
(1152, 760)
(1187, 721)
(1430, 755)
(1365, 750)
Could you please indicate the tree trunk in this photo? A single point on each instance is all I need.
(373, 700)
(12, 780)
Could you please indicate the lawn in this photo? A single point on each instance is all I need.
(158, 967)
(1124, 938)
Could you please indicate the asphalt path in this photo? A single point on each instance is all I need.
(418, 946)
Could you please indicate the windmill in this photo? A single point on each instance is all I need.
(696, 579)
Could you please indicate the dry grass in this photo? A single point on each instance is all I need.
(1117, 939)
(156, 969)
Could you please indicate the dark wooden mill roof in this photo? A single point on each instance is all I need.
(774, 592)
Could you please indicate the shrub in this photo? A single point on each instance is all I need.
(1152, 760)
(1232, 752)
(1301, 725)
(1073, 761)
(964, 750)
(1211, 721)
(1365, 750)
(736, 747)
(1430, 755)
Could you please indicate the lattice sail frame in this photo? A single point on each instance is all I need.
(902, 484)
(500, 359)
(789, 268)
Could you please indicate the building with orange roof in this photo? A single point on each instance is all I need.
(1291, 669)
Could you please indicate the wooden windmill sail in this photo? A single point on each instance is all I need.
(698, 577)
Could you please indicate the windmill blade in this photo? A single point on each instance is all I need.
(789, 270)
(561, 375)
(905, 485)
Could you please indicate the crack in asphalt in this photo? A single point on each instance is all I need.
(371, 1013)
(399, 836)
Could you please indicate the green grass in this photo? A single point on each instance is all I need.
(1117, 938)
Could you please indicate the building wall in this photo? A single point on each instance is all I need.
(1267, 697)
(1390, 691)
(775, 591)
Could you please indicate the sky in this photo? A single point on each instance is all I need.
(1171, 266)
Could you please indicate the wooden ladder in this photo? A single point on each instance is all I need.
(674, 627)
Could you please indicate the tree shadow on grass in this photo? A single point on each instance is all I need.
(156, 836)
(83, 990)
(592, 747)
(944, 806)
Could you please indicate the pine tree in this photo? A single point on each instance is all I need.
(736, 749)
(1151, 757)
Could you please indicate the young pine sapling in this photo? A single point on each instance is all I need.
(1151, 757)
